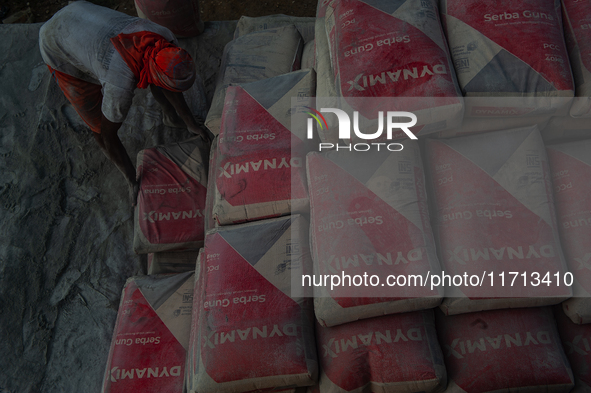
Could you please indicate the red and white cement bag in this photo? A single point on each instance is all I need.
(251, 334)
(172, 262)
(259, 55)
(495, 215)
(576, 16)
(576, 340)
(369, 215)
(247, 25)
(381, 48)
(571, 174)
(408, 357)
(198, 283)
(503, 351)
(490, 62)
(151, 335)
(171, 199)
(261, 156)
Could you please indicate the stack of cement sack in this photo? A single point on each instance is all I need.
(251, 329)
(372, 49)
(508, 82)
(151, 335)
(169, 216)
(369, 214)
(571, 174)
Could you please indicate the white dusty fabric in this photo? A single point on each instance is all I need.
(76, 41)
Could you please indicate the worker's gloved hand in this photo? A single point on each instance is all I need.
(134, 189)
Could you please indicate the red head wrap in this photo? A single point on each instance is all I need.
(154, 60)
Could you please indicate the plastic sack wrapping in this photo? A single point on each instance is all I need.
(171, 198)
(490, 62)
(394, 353)
(387, 48)
(494, 214)
(252, 57)
(369, 215)
(504, 351)
(251, 334)
(261, 150)
(571, 171)
(151, 335)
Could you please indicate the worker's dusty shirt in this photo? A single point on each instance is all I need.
(76, 41)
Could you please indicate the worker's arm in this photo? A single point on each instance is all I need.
(111, 145)
(176, 101)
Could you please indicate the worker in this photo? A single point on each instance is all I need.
(98, 56)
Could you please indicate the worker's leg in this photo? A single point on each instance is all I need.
(85, 97)
(169, 116)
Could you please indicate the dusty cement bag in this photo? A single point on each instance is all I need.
(489, 63)
(369, 214)
(503, 351)
(408, 359)
(247, 25)
(308, 56)
(172, 262)
(495, 214)
(261, 158)
(576, 16)
(381, 48)
(472, 125)
(576, 341)
(571, 173)
(198, 283)
(171, 199)
(179, 16)
(252, 57)
(251, 334)
(151, 335)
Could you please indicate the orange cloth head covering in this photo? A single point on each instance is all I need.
(156, 61)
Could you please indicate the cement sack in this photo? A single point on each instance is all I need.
(151, 335)
(394, 353)
(252, 57)
(491, 62)
(325, 85)
(575, 340)
(576, 16)
(494, 215)
(497, 351)
(393, 49)
(261, 157)
(571, 174)
(251, 334)
(247, 25)
(566, 129)
(308, 55)
(171, 199)
(172, 262)
(369, 214)
(210, 221)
